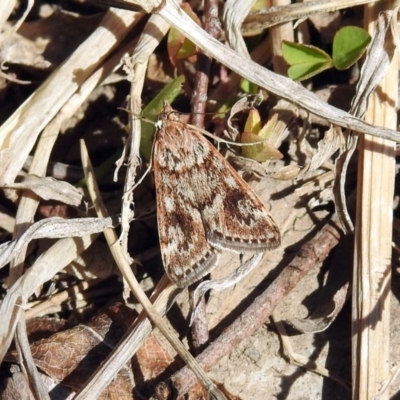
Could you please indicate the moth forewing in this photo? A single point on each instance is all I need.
(203, 205)
(237, 219)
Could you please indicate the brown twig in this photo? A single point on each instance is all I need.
(199, 331)
(310, 255)
(212, 27)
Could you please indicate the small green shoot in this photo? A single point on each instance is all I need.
(253, 133)
(307, 61)
(346, 52)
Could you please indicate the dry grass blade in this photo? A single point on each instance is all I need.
(234, 14)
(263, 19)
(55, 227)
(372, 266)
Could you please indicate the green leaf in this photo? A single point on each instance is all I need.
(151, 111)
(259, 152)
(301, 72)
(168, 93)
(253, 133)
(179, 47)
(349, 45)
(258, 5)
(305, 60)
(248, 87)
(224, 108)
(295, 53)
(253, 122)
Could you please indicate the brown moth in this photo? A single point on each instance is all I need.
(203, 205)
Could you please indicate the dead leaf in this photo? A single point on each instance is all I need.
(71, 356)
(50, 189)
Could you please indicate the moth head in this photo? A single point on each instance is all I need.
(168, 113)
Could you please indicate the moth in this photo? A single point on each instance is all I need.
(203, 205)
